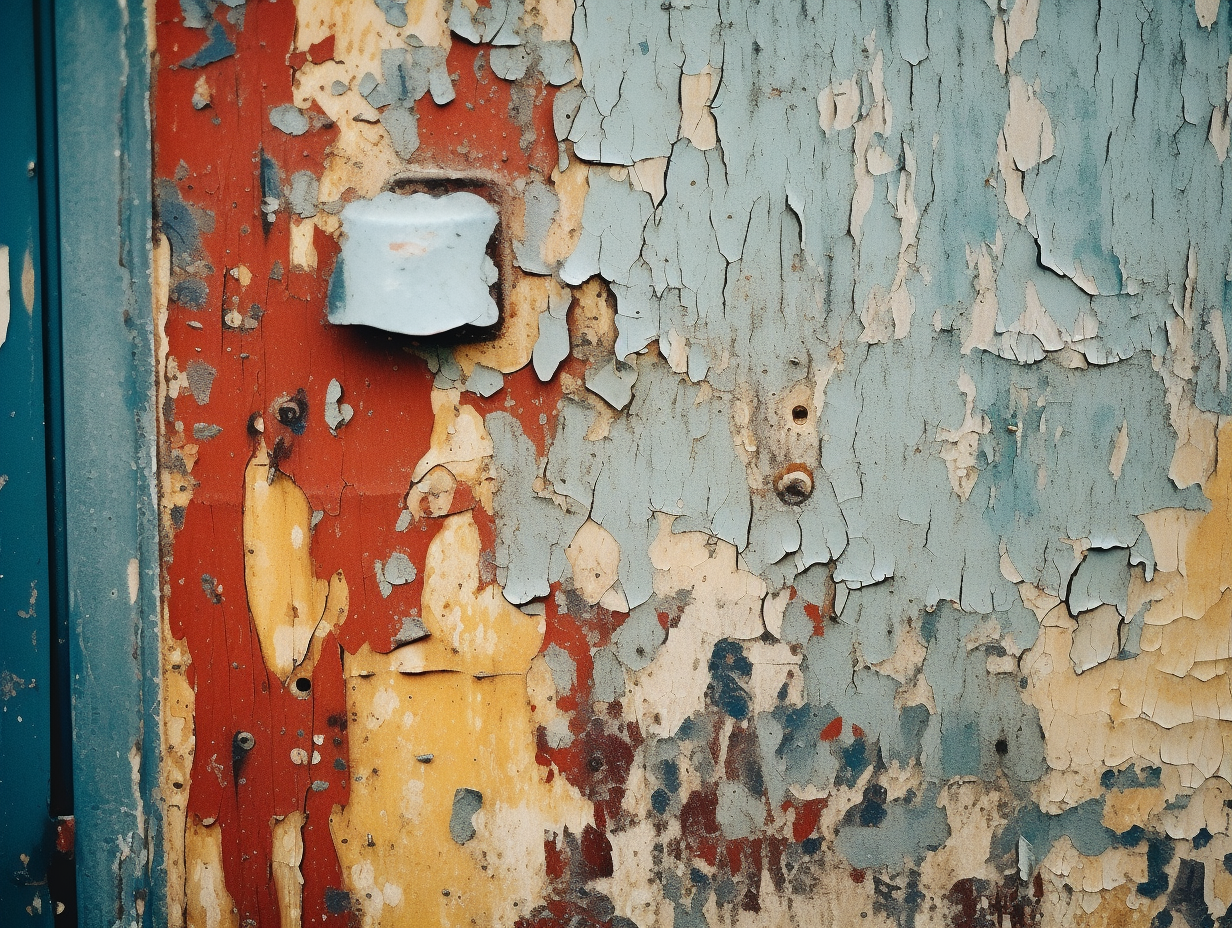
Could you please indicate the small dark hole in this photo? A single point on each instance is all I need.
(1003, 747)
(800, 413)
(291, 413)
(303, 684)
(595, 763)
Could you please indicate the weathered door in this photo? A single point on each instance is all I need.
(832, 529)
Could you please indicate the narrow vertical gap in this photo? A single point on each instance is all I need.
(62, 869)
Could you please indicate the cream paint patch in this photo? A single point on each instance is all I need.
(594, 556)
(887, 313)
(961, 444)
(27, 280)
(725, 602)
(839, 105)
(879, 120)
(650, 176)
(571, 186)
(1020, 25)
(303, 253)
(460, 441)
(519, 329)
(554, 17)
(1028, 128)
(1025, 141)
(134, 580)
(697, 123)
(973, 811)
(984, 311)
(286, 856)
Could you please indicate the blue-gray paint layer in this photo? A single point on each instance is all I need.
(112, 529)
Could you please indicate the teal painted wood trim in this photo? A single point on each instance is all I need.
(25, 623)
(103, 128)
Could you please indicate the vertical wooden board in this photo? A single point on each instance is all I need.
(101, 77)
(26, 626)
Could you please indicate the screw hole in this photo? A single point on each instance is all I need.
(1003, 747)
(303, 684)
(800, 413)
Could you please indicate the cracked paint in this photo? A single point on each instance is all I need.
(832, 529)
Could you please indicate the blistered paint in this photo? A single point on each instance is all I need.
(832, 530)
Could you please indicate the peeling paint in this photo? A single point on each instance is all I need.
(829, 530)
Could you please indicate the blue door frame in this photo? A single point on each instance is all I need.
(79, 544)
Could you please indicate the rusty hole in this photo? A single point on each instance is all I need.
(800, 413)
(794, 484)
(303, 684)
(292, 411)
(595, 763)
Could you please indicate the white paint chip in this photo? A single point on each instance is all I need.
(134, 580)
(4, 293)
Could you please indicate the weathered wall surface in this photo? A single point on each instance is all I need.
(835, 531)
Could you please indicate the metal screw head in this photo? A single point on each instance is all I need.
(794, 484)
(245, 740)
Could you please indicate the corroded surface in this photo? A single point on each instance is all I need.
(834, 531)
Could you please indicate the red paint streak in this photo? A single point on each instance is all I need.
(322, 51)
(833, 730)
(66, 834)
(808, 814)
(597, 762)
(857, 876)
(813, 611)
(699, 824)
(733, 857)
(557, 860)
(597, 853)
(856, 731)
(357, 479)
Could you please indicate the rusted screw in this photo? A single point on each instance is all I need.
(245, 740)
(794, 484)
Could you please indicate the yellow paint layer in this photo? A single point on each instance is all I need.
(1172, 705)
(445, 713)
(285, 596)
(511, 350)
(287, 854)
(209, 903)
